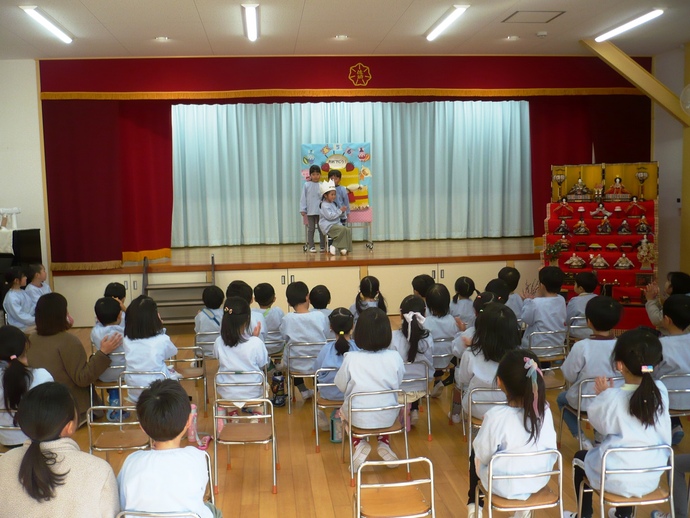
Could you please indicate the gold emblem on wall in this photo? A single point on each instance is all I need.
(360, 75)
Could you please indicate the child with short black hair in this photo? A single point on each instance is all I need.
(585, 284)
(320, 298)
(238, 288)
(117, 291)
(109, 316)
(36, 284)
(511, 276)
(208, 319)
(341, 197)
(442, 326)
(499, 288)
(265, 297)
(461, 305)
(546, 311)
(421, 284)
(589, 358)
(166, 478)
(369, 296)
(373, 368)
(16, 304)
(303, 325)
(309, 207)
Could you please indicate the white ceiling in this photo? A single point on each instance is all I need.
(127, 28)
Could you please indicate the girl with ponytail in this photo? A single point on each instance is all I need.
(415, 346)
(331, 355)
(369, 296)
(635, 414)
(17, 378)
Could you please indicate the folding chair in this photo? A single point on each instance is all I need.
(658, 496)
(677, 385)
(240, 428)
(6, 416)
(542, 499)
(112, 373)
(409, 498)
(474, 399)
(195, 371)
(585, 391)
(300, 355)
(321, 402)
(120, 435)
(551, 351)
(274, 346)
(351, 432)
(574, 324)
(418, 379)
(443, 355)
(206, 341)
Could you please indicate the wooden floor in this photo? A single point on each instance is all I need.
(317, 484)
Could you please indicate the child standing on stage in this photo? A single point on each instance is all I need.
(16, 304)
(633, 415)
(496, 333)
(330, 224)
(589, 358)
(332, 354)
(525, 424)
(511, 276)
(341, 197)
(208, 319)
(369, 296)
(585, 284)
(461, 306)
(373, 368)
(309, 207)
(415, 346)
(442, 326)
(36, 283)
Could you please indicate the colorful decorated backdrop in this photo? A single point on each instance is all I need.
(351, 159)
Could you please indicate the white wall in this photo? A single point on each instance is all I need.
(21, 171)
(667, 149)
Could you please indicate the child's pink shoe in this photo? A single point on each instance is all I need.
(204, 441)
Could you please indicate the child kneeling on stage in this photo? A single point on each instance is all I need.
(329, 223)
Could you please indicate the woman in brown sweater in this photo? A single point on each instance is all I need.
(62, 353)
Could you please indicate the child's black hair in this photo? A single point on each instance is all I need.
(236, 319)
(341, 320)
(511, 276)
(264, 294)
(499, 288)
(464, 287)
(496, 332)
(16, 379)
(413, 331)
(438, 300)
(552, 278)
(142, 319)
(334, 172)
(319, 297)
(296, 293)
(107, 310)
(373, 330)
(239, 288)
(43, 413)
(12, 274)
(484, 299)
(640, 351)
(520, 384)
(603, 312)
(212, 297)
(587, 281)
(680, 282)
(422, 283)
(677, 308)
(314, 169)
(32, 271)
(163, 409)
(369, 289)
(116, 290)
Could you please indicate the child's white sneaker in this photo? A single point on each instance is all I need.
(385, 452)
(307, 394)
(343, 251)
(456, 418)
(437, 390)
(332, 249)
(586, 443)
(324, 423)
(414, 417)
(312, 250)
(473, 511)
(360, 454)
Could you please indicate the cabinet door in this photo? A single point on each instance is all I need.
(481, 273)
(82, 292)
(342, 282)
(277, 278)
(396, 282)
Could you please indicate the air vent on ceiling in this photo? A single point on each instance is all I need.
(533, 16)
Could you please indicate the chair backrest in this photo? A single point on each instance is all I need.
(206, 341)
(319, 380)
(666, 466)
(300, 356)
(585, 391)
(441, 343)
(483, 396)
(415, 497)
(574, 324)
(123, 433)
(242, 382)
(7, 416)
(416, 378)
(548, 343)
(377, 403)
(275, 343)
(146, 378)
(677, 385)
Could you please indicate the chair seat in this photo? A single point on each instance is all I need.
(659, 494)
(98, 384)
(544, 497)
(552, 382)
(678, 413)
(116, 439)
(394, 428)
(245, 432)
(191, 372)
(397, 501)
(328, 402)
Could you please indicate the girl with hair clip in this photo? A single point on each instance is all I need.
(496, 333)
(373, 368)
(461, 305)
(238, 350)
(369, 296)
(332, 355)
(441, 325)
(415, 345)
(17, 306)
(524, 425)
(635, 414)
(17, 379)
(49, 475)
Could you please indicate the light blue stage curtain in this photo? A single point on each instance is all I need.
(440, 170)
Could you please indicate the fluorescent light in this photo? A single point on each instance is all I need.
(33, 11)
(627, 26)
(251, 21)
(445, 21)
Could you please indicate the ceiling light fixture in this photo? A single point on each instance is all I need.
(627, 26)
(445, 21)
(513, 38)
(161, 38)
(341, 36)
(41, 18)
(251, 21)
